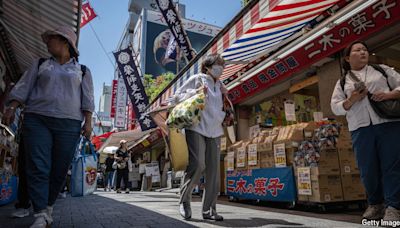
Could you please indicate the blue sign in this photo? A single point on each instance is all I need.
(269, 184)
(134, 87)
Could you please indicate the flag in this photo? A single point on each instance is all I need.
(171, 49)
(88, 14)
(134, 86)
(170, 15)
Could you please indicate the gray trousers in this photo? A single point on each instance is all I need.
(204, 155)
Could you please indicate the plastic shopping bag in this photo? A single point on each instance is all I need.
(84, 169)
(8, 189)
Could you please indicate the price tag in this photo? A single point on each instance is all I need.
(252, 154)
(304, 181)
(280, 155)
(241, 157)
(231, 161)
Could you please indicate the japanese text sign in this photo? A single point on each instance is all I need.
(280, 155)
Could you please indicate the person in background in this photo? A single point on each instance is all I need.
(57, 95)
(204, 139)
(375, 139)
(109, 172)
(122, 156)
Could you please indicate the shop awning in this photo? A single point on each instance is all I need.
(130, 136)
(23, 21)
(260, 28)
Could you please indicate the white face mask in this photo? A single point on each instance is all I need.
(216, 71)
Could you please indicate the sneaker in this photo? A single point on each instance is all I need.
(49, 211)
(118, 190)
(185, 211)
(62, 195)
(392, 214)
(41, 220)
(374, 212)
(20, 213)
(127, 191)
(215, 217)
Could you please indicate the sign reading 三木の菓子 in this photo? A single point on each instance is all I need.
(270, 184)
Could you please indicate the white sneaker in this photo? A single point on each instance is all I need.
(392, 214)
(62, 195)
(49, 211)
(41, 220)
(20, 213)
(374, 212)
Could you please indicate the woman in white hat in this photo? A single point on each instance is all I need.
(57, 96)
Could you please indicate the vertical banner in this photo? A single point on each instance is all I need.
(120, 115)
(134, 86)
(171, 16)
(88, 14)
(114, 98)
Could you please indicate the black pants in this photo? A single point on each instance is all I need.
(23, 196)
(123, 174)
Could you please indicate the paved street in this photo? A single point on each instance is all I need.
(153, 209)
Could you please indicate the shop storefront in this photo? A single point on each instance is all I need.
(284, 113)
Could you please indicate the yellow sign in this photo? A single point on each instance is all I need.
(223, 143)
(252, 154)
(304, 181)
(280, 155)
(146, 143)
(230, 161)
(241, 157)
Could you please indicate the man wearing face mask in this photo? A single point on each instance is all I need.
(204, 139)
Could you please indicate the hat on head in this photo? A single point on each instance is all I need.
(64, 31)
(122, 141)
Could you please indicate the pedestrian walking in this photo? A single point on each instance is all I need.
(375, 139)
(57, 94)
(109, 172)
(122, 157)
(204, 139)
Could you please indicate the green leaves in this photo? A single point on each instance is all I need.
(155, 85)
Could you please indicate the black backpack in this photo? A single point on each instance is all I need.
(83, 67)
(375, 66)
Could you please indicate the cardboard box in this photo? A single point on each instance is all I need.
(328, 163)
(326, 188)
(309, 130)
(344, 143)
(303, 198)
(353, 189)
(347, 161)
(267, 159)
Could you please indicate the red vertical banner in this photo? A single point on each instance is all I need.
(114, 97)
(131, 117)
(88, 14)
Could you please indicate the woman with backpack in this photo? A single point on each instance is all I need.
(375, 138)
(57, 95)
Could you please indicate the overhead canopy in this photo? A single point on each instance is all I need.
(131, 138)
(259, 29)
(23, 21)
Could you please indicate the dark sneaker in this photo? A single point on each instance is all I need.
(215, 217)
(118, 190)
(185, 211)
(374, 212)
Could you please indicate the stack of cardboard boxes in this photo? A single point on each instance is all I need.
(353, 188)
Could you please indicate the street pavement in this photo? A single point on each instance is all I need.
(160, 209)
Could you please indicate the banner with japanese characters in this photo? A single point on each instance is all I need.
(304, 181)
(171, 16)
(360, 26)
(88, 14)
(114, 98)
(134, 86)
(120, 109)
(270, 184)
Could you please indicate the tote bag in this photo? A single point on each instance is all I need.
(178, 149)
(84, 169)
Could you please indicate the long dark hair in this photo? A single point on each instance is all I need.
(209, 61)
(346, 53)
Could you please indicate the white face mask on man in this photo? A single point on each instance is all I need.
(216, 71)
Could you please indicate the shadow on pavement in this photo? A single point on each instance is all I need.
(252, 222)
(95, 211)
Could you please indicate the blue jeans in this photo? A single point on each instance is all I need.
(108, 179)
(377, 149)
(50, 146)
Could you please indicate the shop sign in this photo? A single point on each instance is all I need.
(280, 155)
(363, 24)
(114, 97)
(318, 116)
(272, 184)
(254, 131)
(304, 181)
(252, 154)
(231, 161)
(290, 113)
(153, 171)
(120, 115)
(241, 157)
(223, 143)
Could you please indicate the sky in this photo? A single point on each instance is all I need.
(110, 23)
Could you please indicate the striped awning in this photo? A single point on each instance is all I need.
(22, 22)
(267, 25)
